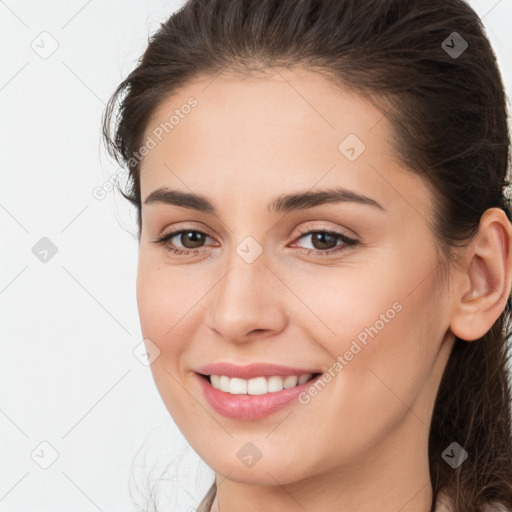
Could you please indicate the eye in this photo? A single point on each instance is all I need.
(189, 239)
(325, 241)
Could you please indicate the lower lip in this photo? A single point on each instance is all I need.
(250, 407)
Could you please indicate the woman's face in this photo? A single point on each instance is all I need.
(259, 280)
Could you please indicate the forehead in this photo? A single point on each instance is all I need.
(285, 129)
(281, 103)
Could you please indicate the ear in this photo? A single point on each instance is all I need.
(483, 285)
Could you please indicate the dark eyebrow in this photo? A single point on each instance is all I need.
(303, 200)
(282, 204)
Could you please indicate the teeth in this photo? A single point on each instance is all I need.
(258, 385)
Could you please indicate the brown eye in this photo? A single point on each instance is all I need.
(182, 241)
(325, 242)
(191, 239)
(322, 240)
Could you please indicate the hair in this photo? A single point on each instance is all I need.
(448, 115)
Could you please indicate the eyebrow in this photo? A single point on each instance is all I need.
(281, 204)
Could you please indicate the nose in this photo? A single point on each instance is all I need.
(248, 302)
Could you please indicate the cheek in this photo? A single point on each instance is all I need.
(385, 304)
(164, 299)
(162, 312)
(378, 327)
(349, 304)
(151, 300)
(386, 362)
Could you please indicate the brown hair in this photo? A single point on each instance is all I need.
(449, 118)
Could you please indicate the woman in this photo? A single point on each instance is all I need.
(325, 250)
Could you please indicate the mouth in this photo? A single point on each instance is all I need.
(255, 398)
(257, 385)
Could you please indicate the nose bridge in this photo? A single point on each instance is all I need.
(245, 299)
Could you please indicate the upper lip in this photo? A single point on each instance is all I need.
(251, 370)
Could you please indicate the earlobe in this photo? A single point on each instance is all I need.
(483, 286)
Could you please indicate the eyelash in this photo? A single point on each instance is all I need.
(348, 242)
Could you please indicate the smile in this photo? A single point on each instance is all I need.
(255, 398)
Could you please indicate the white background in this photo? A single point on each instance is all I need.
(68, 374)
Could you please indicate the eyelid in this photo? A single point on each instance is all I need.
(308, 229)
(185, 226)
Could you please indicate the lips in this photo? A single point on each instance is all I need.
(253, 370)
(251, 407)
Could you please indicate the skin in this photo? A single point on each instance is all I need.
(361, 443)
